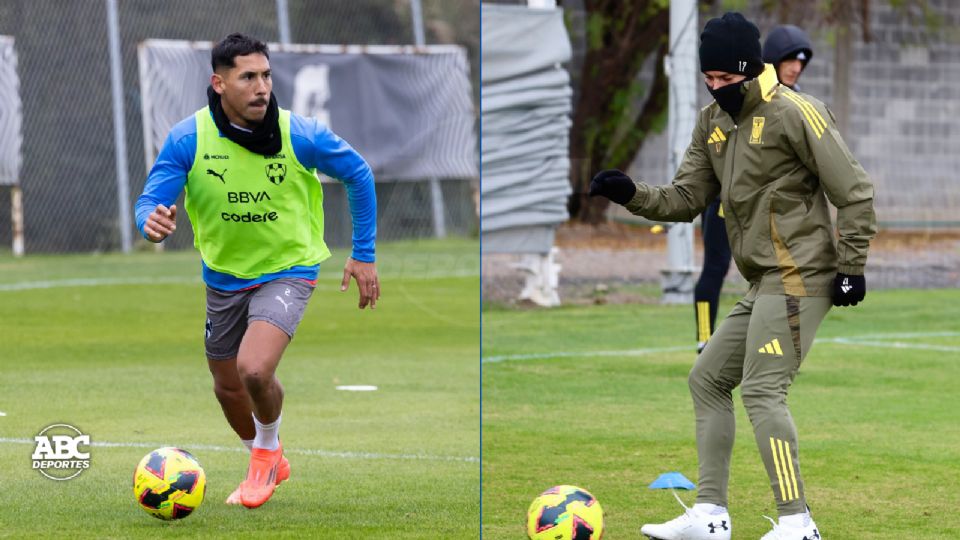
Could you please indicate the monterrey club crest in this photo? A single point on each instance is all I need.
(276, 172)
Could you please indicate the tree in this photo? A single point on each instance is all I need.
(610, 121)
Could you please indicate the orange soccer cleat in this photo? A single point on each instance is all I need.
(283, 473)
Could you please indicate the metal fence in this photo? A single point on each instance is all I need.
(68, 174)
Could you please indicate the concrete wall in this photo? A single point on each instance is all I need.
(904, 108)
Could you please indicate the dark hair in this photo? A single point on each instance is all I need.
(235, 45)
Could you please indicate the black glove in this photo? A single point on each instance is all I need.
(613, 185)
(848, 290)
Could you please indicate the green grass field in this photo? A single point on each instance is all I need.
(572, 396)
(113, 345)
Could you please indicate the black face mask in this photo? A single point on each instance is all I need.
(729, 97)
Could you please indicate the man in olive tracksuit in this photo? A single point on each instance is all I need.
(775, 158)
(788, 48)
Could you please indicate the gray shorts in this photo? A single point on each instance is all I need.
(280, 302)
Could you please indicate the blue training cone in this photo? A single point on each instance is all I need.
(672, 480)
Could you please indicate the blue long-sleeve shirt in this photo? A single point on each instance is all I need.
(315, 146)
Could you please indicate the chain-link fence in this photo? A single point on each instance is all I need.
(68, 174)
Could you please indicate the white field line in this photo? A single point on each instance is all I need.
(108, 281)
(296, 451)
(866, 340)
(424, 307)
(467, 272)
(93, 282)
(893, 345)
(575, 354)
(895, 335)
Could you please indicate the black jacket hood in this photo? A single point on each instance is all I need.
(785, 41)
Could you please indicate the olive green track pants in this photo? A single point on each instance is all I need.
(759, 347)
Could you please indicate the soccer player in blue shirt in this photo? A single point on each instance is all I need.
(249, 172)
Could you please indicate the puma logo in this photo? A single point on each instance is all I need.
(220, 175)
(286, 306)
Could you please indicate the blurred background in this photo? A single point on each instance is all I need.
(56, 58)
(888, 69)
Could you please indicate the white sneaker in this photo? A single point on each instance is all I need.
(783, 532)
(692, 525)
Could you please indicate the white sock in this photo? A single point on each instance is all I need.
(248, 443)
(267, 434)
(796, 520)
(710, 509)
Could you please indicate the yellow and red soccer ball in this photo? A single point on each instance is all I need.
(565, 513)
(169, 483)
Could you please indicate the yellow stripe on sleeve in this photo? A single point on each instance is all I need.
(805, 105)
(813, 111)
(811, 120)
(817, 130)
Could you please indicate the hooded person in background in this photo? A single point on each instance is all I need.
(774, 178)
(788, 48)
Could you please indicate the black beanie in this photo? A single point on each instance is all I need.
(732, 44)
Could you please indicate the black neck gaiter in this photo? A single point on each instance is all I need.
(729, 98)
(265, 139)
